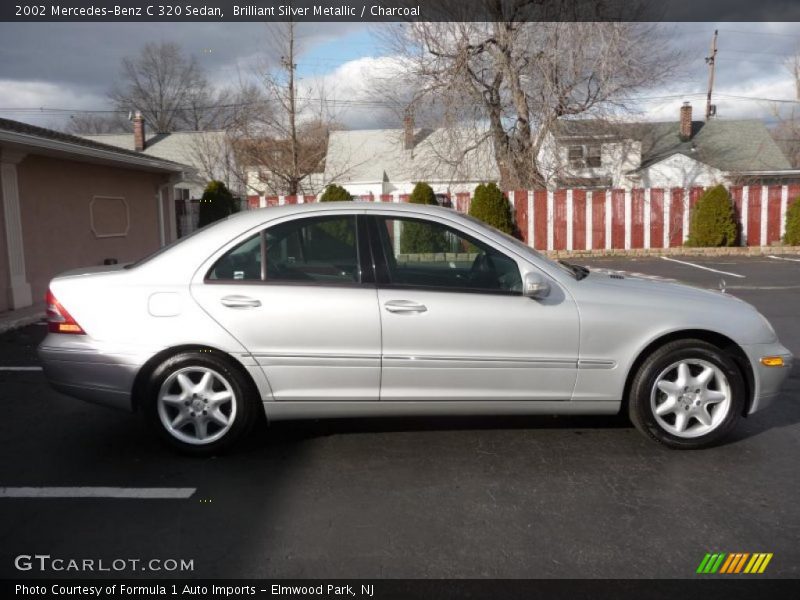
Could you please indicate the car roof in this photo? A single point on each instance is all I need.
(220, 233)
(261, 215)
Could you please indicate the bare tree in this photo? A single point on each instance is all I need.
(514, 79)
(786, 132)
(214, 154)
(92, 123)
(168, 88)
(283, 134)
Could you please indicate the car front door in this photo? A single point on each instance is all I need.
(302, 300)
(454, 321)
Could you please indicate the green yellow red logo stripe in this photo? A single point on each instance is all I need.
(734, 562)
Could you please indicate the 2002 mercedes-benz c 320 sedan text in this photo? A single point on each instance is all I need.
(357, 309)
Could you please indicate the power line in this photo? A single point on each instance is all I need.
(783, 54)
(752, 60)
(758, 99)
(352, 102)
(769, 33)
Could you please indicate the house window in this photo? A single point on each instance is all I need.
(581, 156)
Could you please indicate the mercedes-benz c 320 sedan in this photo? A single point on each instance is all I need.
(351, 309)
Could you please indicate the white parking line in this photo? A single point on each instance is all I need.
(783, 258)
(683, 262)
(20, 368)
(97, 492)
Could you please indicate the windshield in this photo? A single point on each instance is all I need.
(524, 248)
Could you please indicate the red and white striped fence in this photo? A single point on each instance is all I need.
(573, 219)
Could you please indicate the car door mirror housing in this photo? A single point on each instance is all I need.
(535, 286)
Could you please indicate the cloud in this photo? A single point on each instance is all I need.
(73, 65)
(355, 92)
(34, 95)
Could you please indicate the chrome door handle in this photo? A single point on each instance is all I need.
(240, 302)
(404, 306)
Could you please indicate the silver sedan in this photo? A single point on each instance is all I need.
(351, 309)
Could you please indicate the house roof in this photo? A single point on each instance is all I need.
(23, 135)
(730, 146)
(376, 155)
(178, 146)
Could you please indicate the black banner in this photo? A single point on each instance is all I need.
(730, 588)
(399, 10)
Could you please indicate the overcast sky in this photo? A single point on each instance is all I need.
(72, 65)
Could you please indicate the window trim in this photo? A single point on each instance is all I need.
(124, 232)
(383, 270)
(366, 267)
(582, 162)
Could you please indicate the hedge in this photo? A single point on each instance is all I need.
(713, 221)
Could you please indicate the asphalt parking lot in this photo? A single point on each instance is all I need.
(430, 498)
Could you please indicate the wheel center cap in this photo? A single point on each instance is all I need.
(197, 404)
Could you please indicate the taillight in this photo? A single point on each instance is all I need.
(58, 319)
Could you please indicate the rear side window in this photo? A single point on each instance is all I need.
(243, 263)
(320, 250)
(313, 250)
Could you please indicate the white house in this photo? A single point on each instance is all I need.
(683, 153)
(386, 161)
(209, 152)
(580, 153)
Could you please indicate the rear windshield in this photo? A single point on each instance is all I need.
(169, 246)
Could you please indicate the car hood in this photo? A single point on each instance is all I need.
(625, 280)
(657, 300)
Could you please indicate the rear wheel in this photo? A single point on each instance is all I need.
(200, 403)
(687, 394)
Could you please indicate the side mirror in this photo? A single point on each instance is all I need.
(535, 286)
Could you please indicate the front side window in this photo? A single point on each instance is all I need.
(431, 255)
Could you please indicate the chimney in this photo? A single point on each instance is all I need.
(686, 122)
(138, 132)
(408, 131)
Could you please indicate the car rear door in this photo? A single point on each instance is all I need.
(455, 324)
(300, 296)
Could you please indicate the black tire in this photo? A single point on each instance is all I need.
(639, 401)
(242, 413)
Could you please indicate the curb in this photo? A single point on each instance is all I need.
(10, 323)
(679, 251)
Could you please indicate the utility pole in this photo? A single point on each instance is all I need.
(711, 62)
(290, 66)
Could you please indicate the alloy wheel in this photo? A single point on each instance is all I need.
(690, 398)
(196, 405)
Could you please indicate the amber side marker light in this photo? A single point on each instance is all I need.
(772, 361)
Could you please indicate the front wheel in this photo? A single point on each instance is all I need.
(199, 403)
(687, 394)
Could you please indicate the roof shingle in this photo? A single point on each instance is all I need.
(58, 136)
